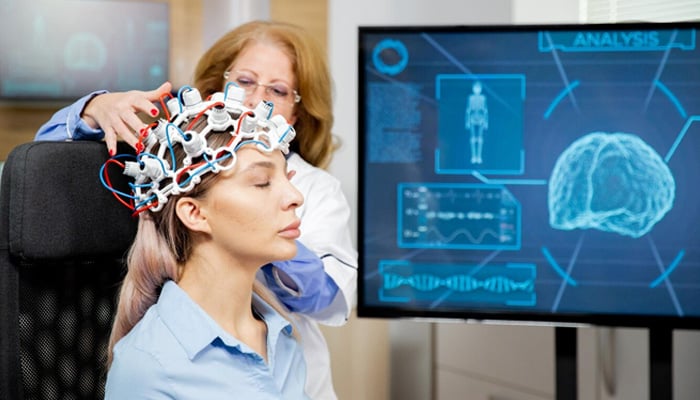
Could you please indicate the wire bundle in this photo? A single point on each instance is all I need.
(189, 122)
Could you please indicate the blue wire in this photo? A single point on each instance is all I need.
(104, 183)
(179, 95)
(209, 165)
(284, 134)
(251, 141)
(228, 84)
(144, 203)
(162, 166)
(170, 144)
(272, 107)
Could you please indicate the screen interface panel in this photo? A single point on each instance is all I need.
(61, 50)
(547, 173)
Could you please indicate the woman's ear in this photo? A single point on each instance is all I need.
(189, 211)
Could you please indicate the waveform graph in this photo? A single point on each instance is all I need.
(509, 284)
(458, 216)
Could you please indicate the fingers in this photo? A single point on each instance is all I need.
(154, 95)
(124, 124)
(128, 124)
(111, 141)
(117, 114)
(143, 102)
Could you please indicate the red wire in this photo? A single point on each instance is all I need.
(143, 134)
(129, 205)
(196, 118)
(140, 146)
(177, 178)
(164, 106)
(142, 209)
(238, 128)
(240, 121)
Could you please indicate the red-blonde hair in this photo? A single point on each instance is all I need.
(314, 141)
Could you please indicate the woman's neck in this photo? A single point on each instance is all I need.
(224, 290)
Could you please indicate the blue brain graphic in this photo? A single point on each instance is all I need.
(612, 182)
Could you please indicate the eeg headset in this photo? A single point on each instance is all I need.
(156, 172)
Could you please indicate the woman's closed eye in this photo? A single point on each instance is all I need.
(262, 185)
(259, 177)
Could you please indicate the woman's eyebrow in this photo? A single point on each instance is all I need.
(245, 70)
(260, 164)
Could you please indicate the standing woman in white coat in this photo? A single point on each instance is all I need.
(283, 64)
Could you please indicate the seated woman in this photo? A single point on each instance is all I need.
(282, 63)
(214, 201)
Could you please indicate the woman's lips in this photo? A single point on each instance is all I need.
(291, 231)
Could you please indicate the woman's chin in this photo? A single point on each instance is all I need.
(286, 252)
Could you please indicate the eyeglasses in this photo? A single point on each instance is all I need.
(279, 91)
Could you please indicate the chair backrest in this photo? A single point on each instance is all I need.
(63, 239)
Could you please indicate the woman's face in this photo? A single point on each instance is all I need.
(267, 71)
(251, 208)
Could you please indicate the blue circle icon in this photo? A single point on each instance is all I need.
(393, 68)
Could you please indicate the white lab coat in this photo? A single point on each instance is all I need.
(324, 215)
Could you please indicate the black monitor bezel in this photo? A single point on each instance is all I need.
(365, 310)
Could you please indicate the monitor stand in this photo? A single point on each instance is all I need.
(565, 363)
(660, 363)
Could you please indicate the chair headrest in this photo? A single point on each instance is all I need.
(57, 206)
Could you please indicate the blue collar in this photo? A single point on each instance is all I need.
(195, 330)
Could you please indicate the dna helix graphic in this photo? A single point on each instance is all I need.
(460, 283)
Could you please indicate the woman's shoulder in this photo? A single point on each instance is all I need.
(146, 337)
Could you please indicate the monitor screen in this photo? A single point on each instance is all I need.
(531, 173)
(60, 50)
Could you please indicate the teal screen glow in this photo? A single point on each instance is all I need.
(531, 173)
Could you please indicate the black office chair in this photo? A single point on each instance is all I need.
(63, 239)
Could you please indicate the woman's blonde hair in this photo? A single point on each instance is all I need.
(161, 247)
(314, 142)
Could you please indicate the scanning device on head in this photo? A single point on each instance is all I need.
(191, 121)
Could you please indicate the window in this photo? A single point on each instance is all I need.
(593, 11)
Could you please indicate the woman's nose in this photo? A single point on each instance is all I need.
(294, 197)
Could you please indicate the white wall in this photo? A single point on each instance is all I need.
(224, 15)
(453, 360)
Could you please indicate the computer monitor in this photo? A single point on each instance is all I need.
(536, 174)
(57, 51)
